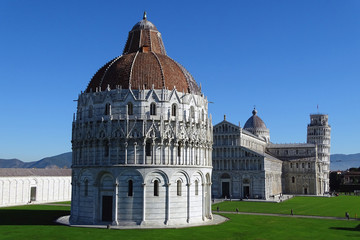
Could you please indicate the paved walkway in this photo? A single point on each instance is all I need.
(290, 216)
(217, 219)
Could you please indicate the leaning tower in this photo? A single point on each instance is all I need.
(318, 132)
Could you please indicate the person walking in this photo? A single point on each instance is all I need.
(347, 216)
(237, 210)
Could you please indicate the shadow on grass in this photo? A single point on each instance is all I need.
(30, 217)
(357, 228)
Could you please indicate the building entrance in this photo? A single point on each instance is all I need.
(33, 194)
(225, 189)
(107, 208)
(246, 191)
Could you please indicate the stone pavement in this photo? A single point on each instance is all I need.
(217, 219)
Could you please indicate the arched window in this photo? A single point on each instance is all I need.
(86, 188)
(179, 151)
(130, 188)
(91, 111)
(309, 165)
(173, 110)
(108, 109)
(152, 109)
(130, 108)
(148, 149)
(303, 165)
(202, 114)
(196, 187)
(156, 188)
(297, 165)
(192, 112)
(178, 185)
(293, 179)
(290, 165)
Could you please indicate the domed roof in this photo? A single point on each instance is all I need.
(144, 24)
(144, 64)
(254, 122)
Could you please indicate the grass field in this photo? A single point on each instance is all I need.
(316, 206)
(36, 222)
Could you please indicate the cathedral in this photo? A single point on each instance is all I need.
(246, 164)
(142, 141)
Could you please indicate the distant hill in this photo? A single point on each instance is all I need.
(344, 161)
(58, 161)
(338, 162)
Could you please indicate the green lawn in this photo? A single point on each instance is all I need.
(316, 206)
(66, 202)
(36, 222)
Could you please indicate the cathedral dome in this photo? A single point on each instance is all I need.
(254, 121)
(256, 126)
(143, 65)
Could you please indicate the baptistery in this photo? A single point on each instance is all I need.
(142, 140)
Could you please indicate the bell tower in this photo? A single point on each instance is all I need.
(318, 132)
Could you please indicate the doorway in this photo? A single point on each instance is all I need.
(246, 191)
(225, 186)
(305, 191)
(107, 208)
(33, 194)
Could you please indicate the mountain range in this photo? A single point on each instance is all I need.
(338, 162)
(58, 161)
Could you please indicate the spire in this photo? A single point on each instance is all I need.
(144, 16)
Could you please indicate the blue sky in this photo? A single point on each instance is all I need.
(285, 57)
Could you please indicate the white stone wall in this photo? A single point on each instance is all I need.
(16, 190)
(166, 208)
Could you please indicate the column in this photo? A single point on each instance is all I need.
(135, 145)
(115, 220)
(203, 201)
(168, 203)
(126, 145)
(96, 204)
(144, 152)
(188, 202)
(144, 202)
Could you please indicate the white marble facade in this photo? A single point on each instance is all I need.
(247, 165)
(141, 168)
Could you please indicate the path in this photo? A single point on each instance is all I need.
(287, 215)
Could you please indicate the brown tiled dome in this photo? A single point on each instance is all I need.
(144, 64)
(254, 122)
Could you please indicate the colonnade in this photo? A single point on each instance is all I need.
(239, 164)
